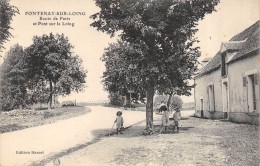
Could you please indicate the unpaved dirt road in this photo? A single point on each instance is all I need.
(61, 136)
(201, 142)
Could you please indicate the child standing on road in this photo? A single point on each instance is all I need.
(165, 119)
(119, 122)
(165, 116)
(176, 118)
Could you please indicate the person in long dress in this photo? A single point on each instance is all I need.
(176, 118)
(165, 117)
(119, 122)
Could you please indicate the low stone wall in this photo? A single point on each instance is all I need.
(241, 117)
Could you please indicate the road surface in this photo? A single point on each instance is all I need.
(16, 147)
(37, 143)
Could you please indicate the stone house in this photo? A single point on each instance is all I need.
(228, 86)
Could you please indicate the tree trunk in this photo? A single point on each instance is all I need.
(50, 97)
(128, 100)
(54, 95)
(149, 107)
(169, 100)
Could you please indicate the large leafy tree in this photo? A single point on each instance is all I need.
(164, 32)
(53, 69)
(121, 75)
(13, 79)
(115, 98)
(7, 12)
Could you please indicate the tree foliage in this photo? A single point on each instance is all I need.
(163, 31)
(52, 68)
(13, 79)
(44, 70)
(7, 12)
(120, 74)
(116, 99)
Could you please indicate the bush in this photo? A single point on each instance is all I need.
(176, 102)
(67, 104)
(158, 99)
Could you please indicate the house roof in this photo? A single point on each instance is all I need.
(207, 59)
(252, 44)
(214, 64)
(246, 33)
(245, 42)
(233, 45)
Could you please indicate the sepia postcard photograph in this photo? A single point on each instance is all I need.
(129, 82)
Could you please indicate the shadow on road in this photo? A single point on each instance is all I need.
(135, 130)
(98, 135)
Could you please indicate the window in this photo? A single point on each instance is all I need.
(223, 65)
(250, 83)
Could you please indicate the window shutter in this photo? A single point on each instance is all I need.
(208, 102)
(256, 84)
(245, 104)
(256, 79)
(213, 97)
(223, 65)
(244, 82)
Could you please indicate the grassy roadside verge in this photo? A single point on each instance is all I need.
(21, 119)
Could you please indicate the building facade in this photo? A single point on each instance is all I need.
(228, 86)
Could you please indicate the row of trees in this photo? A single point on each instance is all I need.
(156, 47)
(44, 70)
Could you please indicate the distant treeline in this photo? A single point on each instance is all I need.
(40, 73)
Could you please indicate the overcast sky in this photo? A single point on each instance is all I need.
(231, 17)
